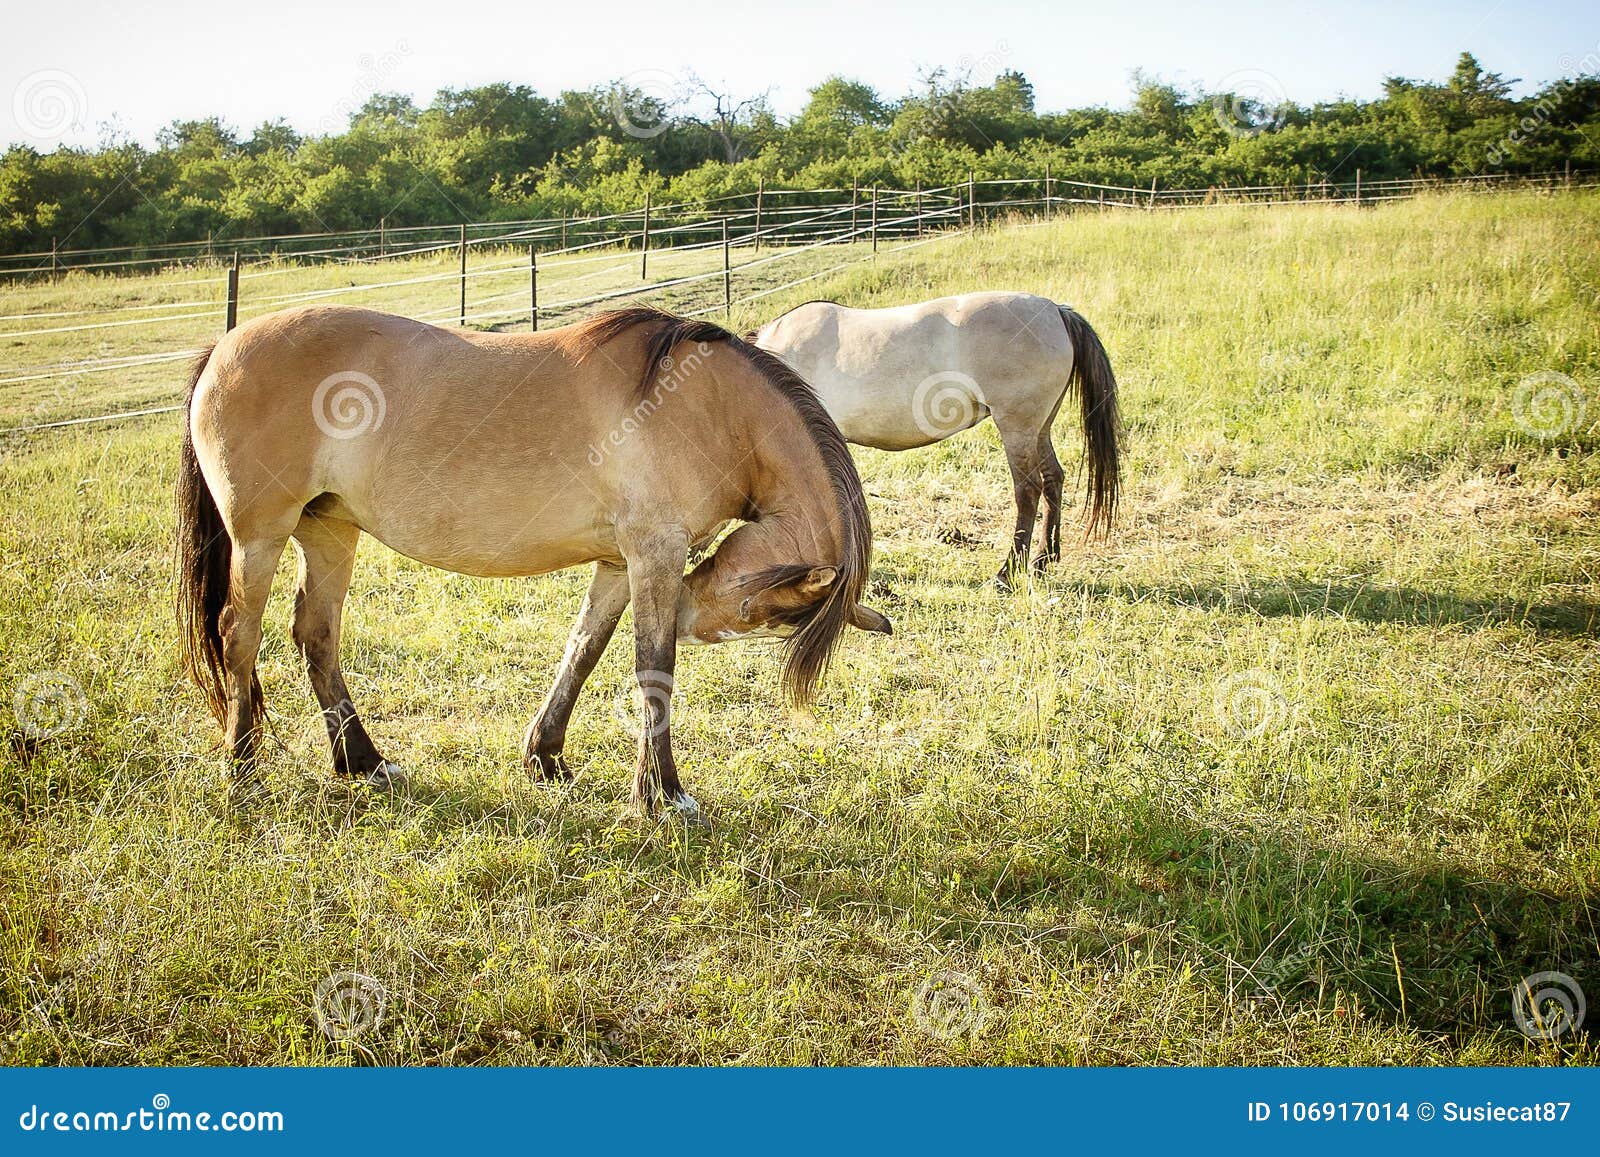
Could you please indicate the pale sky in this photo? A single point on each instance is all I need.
(64, 72)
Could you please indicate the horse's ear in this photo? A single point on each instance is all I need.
(817, 580)
(866, 619)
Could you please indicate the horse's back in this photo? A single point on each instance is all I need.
(1004, 316)
(483, 453)
(876, 369)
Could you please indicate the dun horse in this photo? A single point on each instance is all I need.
(909, 376)
(622, 441)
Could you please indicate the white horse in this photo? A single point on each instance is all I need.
(909, 376)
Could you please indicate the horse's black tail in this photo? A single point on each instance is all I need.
(204, 558)
(1102, 424)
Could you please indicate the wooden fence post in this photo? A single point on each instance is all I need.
(563, 228)
(55, 262)
(1047, 192)
(233, 293)
(1358, 188)
(854, 191)
(727, 274)
(761, 188)
(383, 239)
(919, 208)
(462, 246)
(874, 229)
(972, 200)
(1152, 203)
(533, 288)
(644, 255)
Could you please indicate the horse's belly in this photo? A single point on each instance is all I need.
(502, 544)
(904, 416)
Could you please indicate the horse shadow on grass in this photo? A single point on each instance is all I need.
(1422, 944)
(1369, 603)
(1281, 922)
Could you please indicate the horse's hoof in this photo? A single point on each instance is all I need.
(1003, 583)
(385, 777)
(686, 808)
(246, 793)
(547, 768)
(682, 808)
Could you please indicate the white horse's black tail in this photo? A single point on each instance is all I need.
(1102, 424)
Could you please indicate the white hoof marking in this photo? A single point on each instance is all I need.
(386, 776)
(688, 809)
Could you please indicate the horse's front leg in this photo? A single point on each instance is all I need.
(656, 580)
(547, 734)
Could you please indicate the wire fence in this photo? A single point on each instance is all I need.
(762, 243)
(764, 212)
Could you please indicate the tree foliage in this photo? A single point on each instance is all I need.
(504, 151)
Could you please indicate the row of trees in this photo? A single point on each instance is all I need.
(504, 151)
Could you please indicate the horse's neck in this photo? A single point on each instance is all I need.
(797, 506)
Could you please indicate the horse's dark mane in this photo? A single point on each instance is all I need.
(810, 648)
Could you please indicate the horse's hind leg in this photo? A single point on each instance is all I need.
(1022, 456)
(547, 734)
(1053, 477)
(250, 582)
(327, 549)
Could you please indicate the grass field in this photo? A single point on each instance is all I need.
(1298, 768)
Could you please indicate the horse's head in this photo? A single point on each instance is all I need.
(739, 593)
